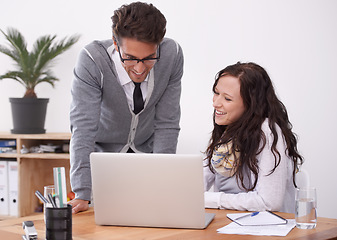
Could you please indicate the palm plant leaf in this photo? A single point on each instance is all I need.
(17, 76)
(45, 52)
(18, 47)
(34, 67)
(48, 79)
(40, 52)
(8, 52)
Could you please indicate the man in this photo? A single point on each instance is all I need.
(125, 94)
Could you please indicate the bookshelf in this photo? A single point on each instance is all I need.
(35, 170)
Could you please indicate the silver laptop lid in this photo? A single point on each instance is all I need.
(149, 190)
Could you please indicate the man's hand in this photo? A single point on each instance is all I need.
(79, 205)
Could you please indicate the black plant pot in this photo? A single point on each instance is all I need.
(29, 115)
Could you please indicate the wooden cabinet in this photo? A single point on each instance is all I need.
(35, 170)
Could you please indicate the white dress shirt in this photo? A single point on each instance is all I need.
(124, 78)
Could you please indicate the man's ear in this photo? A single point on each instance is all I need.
(115, 43)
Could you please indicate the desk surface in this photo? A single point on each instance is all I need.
(84, 227)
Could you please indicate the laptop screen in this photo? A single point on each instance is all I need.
(151, 190)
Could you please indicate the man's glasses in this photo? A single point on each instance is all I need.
(133, 61)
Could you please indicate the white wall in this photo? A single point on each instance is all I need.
(294, 40)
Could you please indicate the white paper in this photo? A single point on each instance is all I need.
(269, 230)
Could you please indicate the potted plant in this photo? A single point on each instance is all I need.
(32, 68)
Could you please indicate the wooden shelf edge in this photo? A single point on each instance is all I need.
(35, 155)
(44, 156)
(51, 135)
(8, 155)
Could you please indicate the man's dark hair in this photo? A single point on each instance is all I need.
(140, 21)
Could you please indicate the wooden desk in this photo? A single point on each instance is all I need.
(84, 227)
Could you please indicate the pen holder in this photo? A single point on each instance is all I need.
(59, 223)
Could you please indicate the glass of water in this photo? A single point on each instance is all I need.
(306, 204)
(47, 189)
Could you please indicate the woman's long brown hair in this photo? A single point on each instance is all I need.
(260, 102)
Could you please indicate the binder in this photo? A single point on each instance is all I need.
(4, 207)
(8, 143)
(13, 187)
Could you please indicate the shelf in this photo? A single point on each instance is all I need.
(35, 170)
(53, 135)
(44, 156)
(8, 155)
(36, 155)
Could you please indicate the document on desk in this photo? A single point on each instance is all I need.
(262, 230)
(256, 218)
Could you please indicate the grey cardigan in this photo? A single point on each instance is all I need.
(101, 119)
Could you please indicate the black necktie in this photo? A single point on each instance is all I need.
(138, 103)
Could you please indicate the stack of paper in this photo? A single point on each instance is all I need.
(261, 224)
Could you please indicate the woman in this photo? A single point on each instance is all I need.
(252, 156)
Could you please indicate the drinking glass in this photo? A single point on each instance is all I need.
(306, 204)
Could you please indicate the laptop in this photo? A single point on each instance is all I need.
(149, 190)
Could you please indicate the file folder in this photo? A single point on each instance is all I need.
(13, 187)
(4, 207)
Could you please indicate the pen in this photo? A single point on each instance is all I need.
(41, 197)
(248, 215)
(51, 200)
